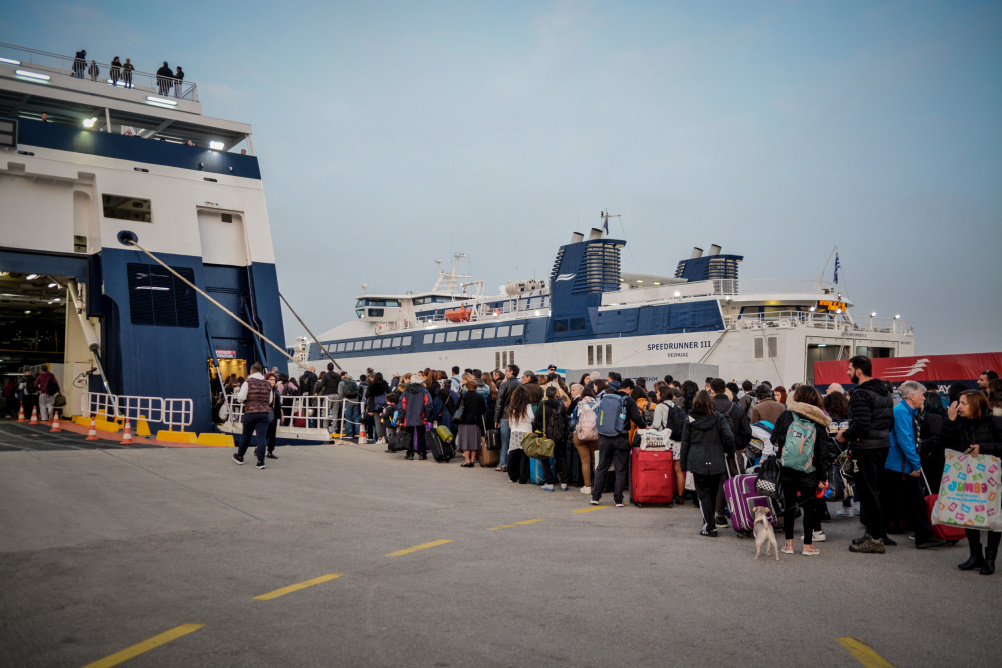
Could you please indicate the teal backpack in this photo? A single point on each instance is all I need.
(798, 450)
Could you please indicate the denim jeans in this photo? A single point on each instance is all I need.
(505, 439)
(352, 418)
(255, 423)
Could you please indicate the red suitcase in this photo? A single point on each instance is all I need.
(940, 531)
(652, 477)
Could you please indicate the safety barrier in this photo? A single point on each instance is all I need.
(168, 412)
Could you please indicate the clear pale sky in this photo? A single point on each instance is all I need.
(392, 133)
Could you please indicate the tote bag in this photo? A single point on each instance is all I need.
(969, 492)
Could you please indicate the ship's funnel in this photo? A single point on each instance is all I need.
(577, 237)
(594, 234)
(696, 252)
(714, 249)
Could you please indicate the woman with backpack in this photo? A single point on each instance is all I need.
(800, 436)
(971, 427)
(669, 416)
(584, 421)
(706, 441)
(551, 421)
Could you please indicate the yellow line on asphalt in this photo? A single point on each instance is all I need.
(863, 653)
(515, 524)
(423, 546)
(145, 646)
(296, 587)
(591, 508)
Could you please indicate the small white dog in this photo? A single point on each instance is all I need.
(764, 532)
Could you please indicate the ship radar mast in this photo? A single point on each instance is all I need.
(448, 281)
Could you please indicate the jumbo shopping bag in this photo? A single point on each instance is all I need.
(970, 492)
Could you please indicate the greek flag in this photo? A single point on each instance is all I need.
(605, 222)
(838, 265)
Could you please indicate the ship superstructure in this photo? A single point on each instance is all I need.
(85, 160)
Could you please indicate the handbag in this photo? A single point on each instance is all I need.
(536, 445)
(969, 495)
(767, 482)
(458, 415)
(59, 401)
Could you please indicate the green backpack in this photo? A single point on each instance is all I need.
(798, 450)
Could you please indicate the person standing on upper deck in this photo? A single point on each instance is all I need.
(80, 63)
(93, 70)
(116, 70)
(127, 69)
(164, 76)
(178, 78)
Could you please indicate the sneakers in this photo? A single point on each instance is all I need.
(819, 536)
(237, 458)
(271, 456)
(721, 522)
(260, 463)
(586, 490)
(547, 488)
(845, 512)
(786, 549)
(859, 541)
(563, 487)
(594, 502)
(868, 546)
(709, 532)
(810, 551)
(890, 542)
(619, 505)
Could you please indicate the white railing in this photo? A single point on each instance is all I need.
(303, 417)
(784, 286)
(60, 65)
(816, 320)
(168, 412)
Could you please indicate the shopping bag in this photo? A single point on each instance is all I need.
(969, 492)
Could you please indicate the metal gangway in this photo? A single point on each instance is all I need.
(304, 418)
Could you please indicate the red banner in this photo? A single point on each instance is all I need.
(921, 368)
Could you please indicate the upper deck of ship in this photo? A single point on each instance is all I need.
(34, 82)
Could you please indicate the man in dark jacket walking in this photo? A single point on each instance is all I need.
(511, 381)
(871, 419)
(737, 419)
(614, 443)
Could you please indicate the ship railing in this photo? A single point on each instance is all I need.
(748, 286)
(302, 416)
(170, 413)
(715, 287)
(486, 316)
(43, 62)
(816, 320)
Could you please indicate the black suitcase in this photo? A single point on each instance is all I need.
(442, 452)
(399, 442)
(493, 439)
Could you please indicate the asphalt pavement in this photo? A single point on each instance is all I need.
(171, 557)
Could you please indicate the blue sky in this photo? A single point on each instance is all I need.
(391, 133)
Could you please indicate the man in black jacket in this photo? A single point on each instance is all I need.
(505, 389)
(615, 450)
(737, 419)
(871, 419)
(164, 79)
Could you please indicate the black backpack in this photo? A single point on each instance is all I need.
(306, 383)
(676, 420)
(52, 388)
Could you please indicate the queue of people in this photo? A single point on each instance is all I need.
(876, 440)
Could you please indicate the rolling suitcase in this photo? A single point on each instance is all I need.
(442, 452)
(941, 531)
(536, 470)
(652, 477)
(489, 458)
(741, 498)
(493, 439)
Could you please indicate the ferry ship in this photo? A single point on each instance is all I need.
(592, 316)
(81, 162)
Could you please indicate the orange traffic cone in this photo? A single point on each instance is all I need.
(361, 436)
(92, 434)
(55, 423)
(34, 416)
(20, 414)
(127, 436)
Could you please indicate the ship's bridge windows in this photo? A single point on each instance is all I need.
(123, 207)
(488, 332)
(464, 335)
(476, 334)
(502, 332)
(360, 312)
(375, 313)
(516, 330)
(394, 303)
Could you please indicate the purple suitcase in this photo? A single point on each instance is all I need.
(741, 498)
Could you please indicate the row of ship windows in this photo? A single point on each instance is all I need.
(475, 334)
(771, 343)
(369, 344)
(596, 356)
